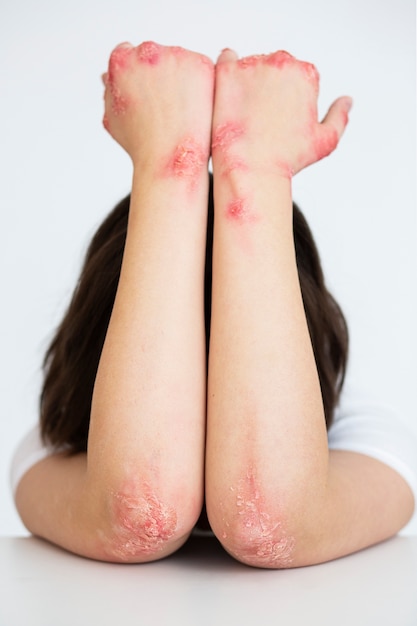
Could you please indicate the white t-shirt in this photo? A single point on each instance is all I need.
(358, 426)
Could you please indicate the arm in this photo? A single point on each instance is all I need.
(275, 497)
(139, 492)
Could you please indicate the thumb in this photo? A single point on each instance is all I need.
(333, 125)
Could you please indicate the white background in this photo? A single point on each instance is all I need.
(61, 173)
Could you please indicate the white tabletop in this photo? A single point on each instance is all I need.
(41, 585)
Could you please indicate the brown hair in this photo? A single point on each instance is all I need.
(71, 361)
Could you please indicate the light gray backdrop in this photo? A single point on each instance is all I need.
(61, 173)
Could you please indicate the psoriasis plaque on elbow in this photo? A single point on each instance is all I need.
(262, 539)
(143, 523)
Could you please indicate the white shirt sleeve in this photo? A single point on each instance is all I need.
(364, 426)
(30, 451)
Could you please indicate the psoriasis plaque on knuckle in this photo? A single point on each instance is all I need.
(149, 52)
(280, 59)
(259, 537)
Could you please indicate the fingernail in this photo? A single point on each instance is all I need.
(348, 103)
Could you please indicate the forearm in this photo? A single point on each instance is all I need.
(148, 411)
(267, 446)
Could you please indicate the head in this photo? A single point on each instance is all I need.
(71, 361)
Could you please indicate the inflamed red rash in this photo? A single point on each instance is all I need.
(120, 60)
(121, 54)
(325, 136)
(143, 523)
(119, 103)
(187, 161)
(325, 143)
(251, 61)
(280, 59)
(149, 52)
(238, 210)
(259, 535)
(226, 134)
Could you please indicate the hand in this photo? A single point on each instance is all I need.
(265, 114)
(158, 98)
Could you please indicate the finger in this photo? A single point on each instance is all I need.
(120, 54)
(227, 55)
(337, 116)
(126, 45)
(104, 78)
(332, 127)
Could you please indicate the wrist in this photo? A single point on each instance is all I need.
(255, 163)
(253, 196)
(184, 162)
(255, 177)
(167, 195)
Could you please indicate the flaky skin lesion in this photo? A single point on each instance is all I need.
(142, 526)
(253, 535)
(188, 159)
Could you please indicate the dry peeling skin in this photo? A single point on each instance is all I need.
(224, 136)
(280, 60)
(143, 524)
(262, 540)
(119, 61)
(187, 161)
(149, 52)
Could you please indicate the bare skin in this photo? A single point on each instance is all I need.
(138, 493)
(275, 496)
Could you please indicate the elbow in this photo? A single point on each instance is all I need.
(267, 552)
(253, 529)
(259, 527)
(261, 543)
(141, 525)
